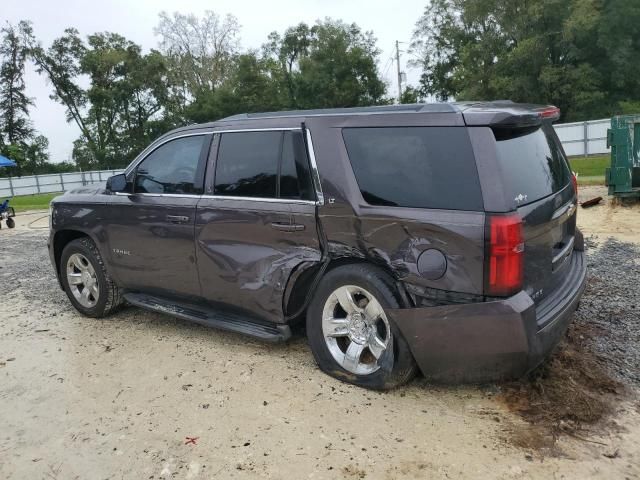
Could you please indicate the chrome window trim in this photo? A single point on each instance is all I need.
(149, 150)
(146, 194)
(261, 199)
(315, 175)
(221, 197)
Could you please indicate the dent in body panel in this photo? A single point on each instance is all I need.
(471, 343)
(243, 260)
(395, 237)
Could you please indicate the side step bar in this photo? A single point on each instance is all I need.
(230, 321)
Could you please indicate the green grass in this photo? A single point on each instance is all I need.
(590, 169)
(591, 180)
(590, 166)
(32, 202)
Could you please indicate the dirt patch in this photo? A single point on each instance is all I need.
(572, 393)
(578, 390)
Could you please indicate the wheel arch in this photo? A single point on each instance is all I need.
(302, 278)
(61, 239)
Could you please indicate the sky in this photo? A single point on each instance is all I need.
(136, 19)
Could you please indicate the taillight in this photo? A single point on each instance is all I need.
(574, 181)
(505, 250)
(550, 112)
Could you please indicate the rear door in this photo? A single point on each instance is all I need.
(537, 178)
(257, 222)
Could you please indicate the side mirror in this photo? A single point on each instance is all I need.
(117, 183)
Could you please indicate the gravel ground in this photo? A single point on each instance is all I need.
(611, 306)
(117, 398)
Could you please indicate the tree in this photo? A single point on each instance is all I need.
(199, 53)
(15, 126)
(18, 139)
(119, 113)
(331, 64)
(541, 51)
(250, 88)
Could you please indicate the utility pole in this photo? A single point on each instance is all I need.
(399, 74)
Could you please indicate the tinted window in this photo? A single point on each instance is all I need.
(426, 167)
(171, 168)
(295, 179)
(532, 162)
(247, 164)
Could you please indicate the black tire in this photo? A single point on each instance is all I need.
(109, 298)
(11, 222)
(400, 365)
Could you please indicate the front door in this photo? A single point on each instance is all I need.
(259, 223)
(151, 230)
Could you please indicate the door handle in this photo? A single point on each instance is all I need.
(287, 227)
(177, 219)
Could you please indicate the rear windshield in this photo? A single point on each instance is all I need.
(424, 167)
(532, 162)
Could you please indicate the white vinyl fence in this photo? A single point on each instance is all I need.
(51, 183)
(584, 138)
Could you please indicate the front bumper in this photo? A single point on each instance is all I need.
(489, 341)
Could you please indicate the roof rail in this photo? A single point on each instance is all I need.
(404, 108)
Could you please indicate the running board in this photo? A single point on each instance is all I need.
(230, 321)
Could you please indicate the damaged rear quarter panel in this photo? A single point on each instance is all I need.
(394, 236)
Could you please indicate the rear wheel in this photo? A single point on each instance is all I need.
(351, 336)
(86, 280)
(11, 222)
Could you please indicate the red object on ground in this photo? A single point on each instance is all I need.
(191, 440)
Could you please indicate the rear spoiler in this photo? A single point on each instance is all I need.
(510, 115)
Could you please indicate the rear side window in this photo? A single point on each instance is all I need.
(532, 162)
(263, 164)
(247, 164)
(424, 167)
(295, 177)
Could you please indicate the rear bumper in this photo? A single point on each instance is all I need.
(490, 341)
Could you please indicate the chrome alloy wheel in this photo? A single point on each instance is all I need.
(355, 329)
(82, 280)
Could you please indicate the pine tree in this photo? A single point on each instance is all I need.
(18, 140)
(15, 126)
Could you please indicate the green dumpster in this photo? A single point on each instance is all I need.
(623, 176)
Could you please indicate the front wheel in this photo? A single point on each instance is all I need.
(351, 336)
(86, 281)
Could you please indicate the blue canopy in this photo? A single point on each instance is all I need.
(6, 162)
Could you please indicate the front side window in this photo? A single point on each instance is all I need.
(171, 168)
(423, 167)
(271, 164)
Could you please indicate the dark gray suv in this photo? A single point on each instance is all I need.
(441, 236)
